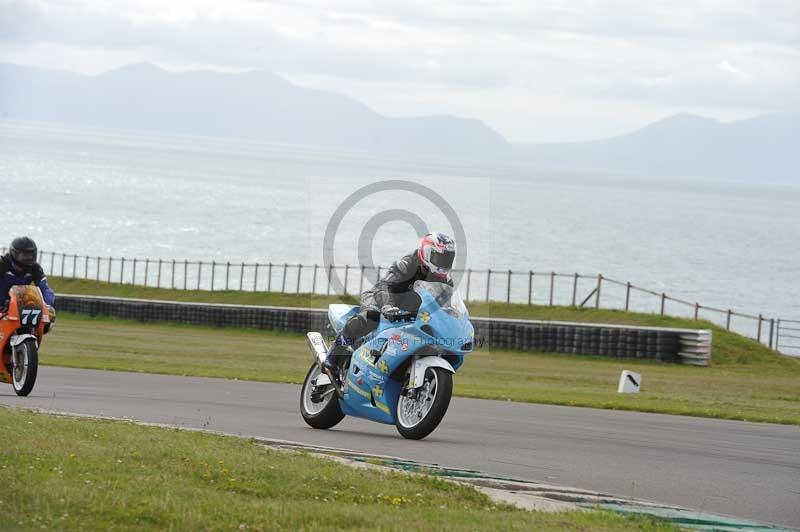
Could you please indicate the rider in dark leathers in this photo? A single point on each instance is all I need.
(19, 267)
(394, 293)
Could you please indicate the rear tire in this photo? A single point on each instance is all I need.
(24, 366)
(317, 415)
(443, 380)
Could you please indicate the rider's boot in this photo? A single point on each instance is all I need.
(336, 351)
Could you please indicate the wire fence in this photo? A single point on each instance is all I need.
(525, 287)
(787, 336)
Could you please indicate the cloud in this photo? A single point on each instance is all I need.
(657, 55)
(736, 74)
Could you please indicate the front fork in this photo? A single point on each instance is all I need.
(319, 350)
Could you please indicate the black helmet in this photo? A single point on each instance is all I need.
(23, 252)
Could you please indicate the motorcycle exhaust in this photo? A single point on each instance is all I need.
(316, 343)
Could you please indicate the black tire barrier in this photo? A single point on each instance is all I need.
(687, 346)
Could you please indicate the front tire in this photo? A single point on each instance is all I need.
(24, 366)
(324, 412)
(418, 417)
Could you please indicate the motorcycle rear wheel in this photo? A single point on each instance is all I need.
(418, 417)
(24, 366)
(322, 414)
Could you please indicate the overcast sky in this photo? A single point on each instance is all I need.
(535, 71)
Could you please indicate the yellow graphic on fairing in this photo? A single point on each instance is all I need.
(425, 316)
(354, 387)
(363, 354)
(383, 366)
(27, 296)
(377, 393)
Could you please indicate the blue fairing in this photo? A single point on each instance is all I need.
(339, 314)
(378, 367)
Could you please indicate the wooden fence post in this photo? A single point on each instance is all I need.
(575, 289)
(314, 280)
(728, 321)
(241, 277)
(771, 331)
(530, 287)
(599, 286)
(627, 296)
(283, 279)
(760, 319)
(146, 268)
(255, 279)
(508, 289)
(299, 273)
(663, 302)
(552, 286)
(488, 282)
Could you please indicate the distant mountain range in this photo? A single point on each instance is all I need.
(763, 149)
(256, 105)
(261, 105)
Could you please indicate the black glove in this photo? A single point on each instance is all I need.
(389, 311)
(52, 313)
(393, 313)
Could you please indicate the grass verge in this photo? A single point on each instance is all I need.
(762, 389)
(78, 474)
(728, 348)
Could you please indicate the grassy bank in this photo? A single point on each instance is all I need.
(77, 474)
(728, 348)
(764, 388)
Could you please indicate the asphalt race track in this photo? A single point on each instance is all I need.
(737, 469)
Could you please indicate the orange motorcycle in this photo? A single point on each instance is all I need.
(22, 327)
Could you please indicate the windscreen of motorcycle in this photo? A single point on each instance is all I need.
(29, 304)
(445, 295)
(27, 296)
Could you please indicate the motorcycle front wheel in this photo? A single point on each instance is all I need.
(319, 406)
(421, 410)
(24, 366)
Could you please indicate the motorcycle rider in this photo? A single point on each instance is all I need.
(431, 261)
(19, 267)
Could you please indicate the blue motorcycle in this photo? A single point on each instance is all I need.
(402, 373)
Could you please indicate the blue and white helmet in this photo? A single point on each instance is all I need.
(437, 252)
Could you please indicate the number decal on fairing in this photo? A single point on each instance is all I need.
(30, 316)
